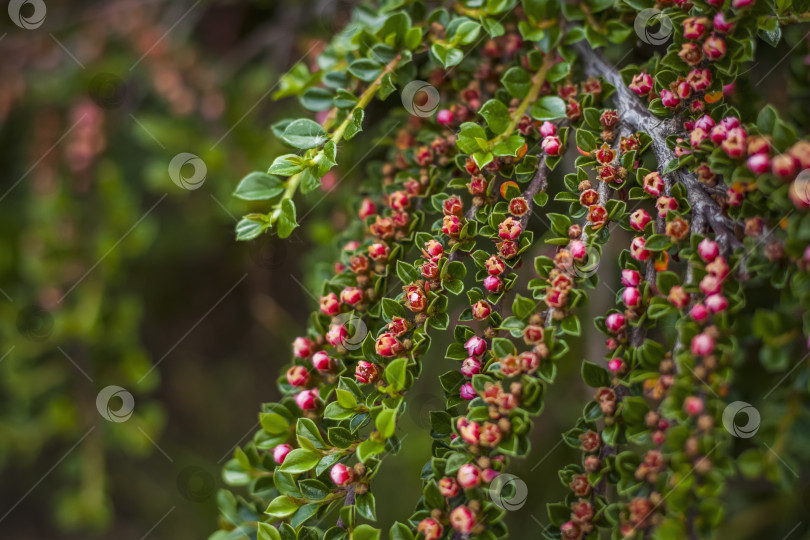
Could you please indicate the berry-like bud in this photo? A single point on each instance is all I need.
(306, 399)
(341, 474)
(366, 372)
(298, 376)
(280, 453)
(467, 391)
(302, 347)
(470, 366)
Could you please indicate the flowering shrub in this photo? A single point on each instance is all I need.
(694, 201)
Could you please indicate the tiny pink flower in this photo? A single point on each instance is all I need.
(637, 250)
(702, 344)
(759, 163)
(552, 145)
(693, 405)
(492, 283)
(475, 346)
(298, 376)
(470, 366)
(631, 278)
(321, 361)
(716, 303)
(448, 487)
(615, 323)
(444, 117)
(578, 250)
(708, 250)
(306, 399)
(468, 476)
(639, 219)
(631, 297)
(341, 474)
(699, 312)
(467, 391)
(547, 129)
(280, 452)
(302, 347)
(615, 365)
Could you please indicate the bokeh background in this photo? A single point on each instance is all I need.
(117, 271)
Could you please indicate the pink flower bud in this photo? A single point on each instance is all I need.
(737, 4)
(705, 122)
(669, 99)
(481, 310)
(433, 249)
(444, 117)
(367, 208)
(448, 487)
(280, 452)
(321, 361)
(378, 252)
(654, 184)
(615, 365)
(711, 284)
(578, 250)
(702, 344)
(699, 313)
(475, 346)
(468, 476)
(693, 405)
(337, 335)
(631, 297)
(716, 303)
(302, 347)
(467, 391)
(759, 163)
(366, 372)
(462, 519)
(639, 219)
(678, 297)
(641, 84)
(469, 431)
(708, 250)
(631, 278)
(637, 250)
(488, 475)
(492, 283)
(430, 529)
(720, 23)
(715, 47)
(547, 129)
(351, 295)
(615, 323)
(784, 166)
(306, 399)
(341, 474)
(470, 366)
(551, 145)
(298, 376)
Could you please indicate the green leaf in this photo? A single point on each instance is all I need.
(273, 423)
(248, 229)
(366, 69)
(286, 219)
(400, 532)
(406, 272)
(355, 126)
(558, 72)
(570, 325)
(345, 399)
(368, 449)
(396, 373)
(657, 242)
(517, 82)
(366, 532)
(496, 115)
(299, 460)
(258, 186)
(306, 430)
(510, 146)
(386, 422)
(447, 56)
(593, 375)
(282, 506)
(548, 108)
(286, 165)
(366, 506)
(304, 134)
(268, 532)
(585, 140)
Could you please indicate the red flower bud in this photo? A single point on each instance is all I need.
(280, 453)
(366, 372)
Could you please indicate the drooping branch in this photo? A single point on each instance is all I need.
(635, 114)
